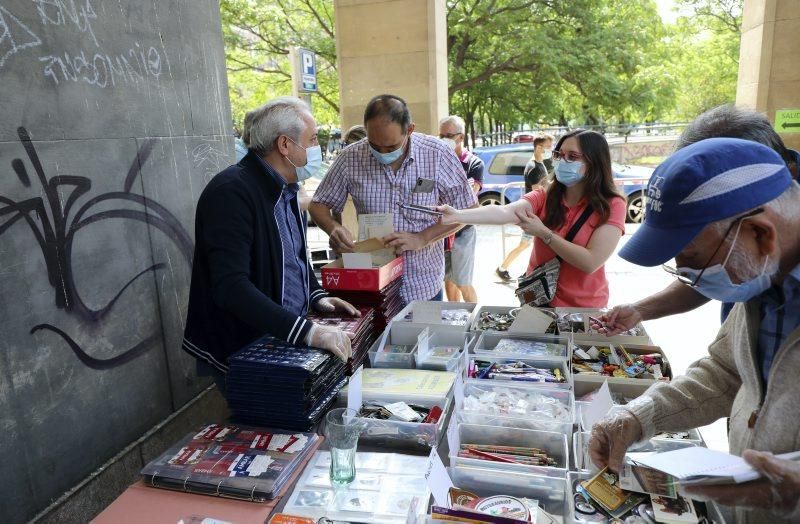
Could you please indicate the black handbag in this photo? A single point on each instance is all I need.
(539, 287)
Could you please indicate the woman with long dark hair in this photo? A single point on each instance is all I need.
(583, 178)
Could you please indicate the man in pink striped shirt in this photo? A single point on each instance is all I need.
(394, 166)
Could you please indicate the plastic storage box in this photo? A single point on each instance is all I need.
(379, 358)
(406, 436)
(430, 349)
(550, 492)
(587, 382)
(547, 409)
(554, 444)
(424, 314)
(539, 347)
(588, 335)
(550, 365)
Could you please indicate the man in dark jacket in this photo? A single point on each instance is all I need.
(251, 275)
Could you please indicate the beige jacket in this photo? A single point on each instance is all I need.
(727, 383)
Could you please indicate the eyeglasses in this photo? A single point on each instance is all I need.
(449, 135)
(686, 279)
(567, 156)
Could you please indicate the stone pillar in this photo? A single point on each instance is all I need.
(397, 47)
(769, 60)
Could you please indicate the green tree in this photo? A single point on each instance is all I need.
(514, 63)
(258, 36)
(704, 48)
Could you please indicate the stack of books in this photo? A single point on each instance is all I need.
(277, 384)
(362, 329)
(386, 301)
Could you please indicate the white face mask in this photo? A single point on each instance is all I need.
(450, 143)
(548, 153)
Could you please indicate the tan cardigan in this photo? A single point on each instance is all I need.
(727, 383)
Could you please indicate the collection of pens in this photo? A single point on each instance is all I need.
(507, 454)
(513, 370)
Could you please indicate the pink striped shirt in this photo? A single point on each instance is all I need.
(375, 188)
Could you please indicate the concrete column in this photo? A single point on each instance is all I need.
(769, 60)
(397, 47)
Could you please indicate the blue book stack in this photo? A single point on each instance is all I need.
(274, 383)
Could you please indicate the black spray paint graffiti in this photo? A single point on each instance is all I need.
(55, 238)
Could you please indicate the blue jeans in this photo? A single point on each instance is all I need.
(438, 296)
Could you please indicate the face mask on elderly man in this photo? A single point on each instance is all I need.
(715, 282)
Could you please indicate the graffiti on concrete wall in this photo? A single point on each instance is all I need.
(630, 152)
(53, 226)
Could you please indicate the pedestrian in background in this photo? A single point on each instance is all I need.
(459, 260)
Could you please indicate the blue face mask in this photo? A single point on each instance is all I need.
(568, 173)
(388, 158)
(716, 283)
(313, 162)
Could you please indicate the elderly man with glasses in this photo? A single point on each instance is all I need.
(728, 211)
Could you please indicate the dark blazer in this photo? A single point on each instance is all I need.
(236, 292)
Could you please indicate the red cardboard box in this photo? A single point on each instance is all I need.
(335, 276)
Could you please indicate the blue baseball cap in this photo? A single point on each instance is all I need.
(705, 182)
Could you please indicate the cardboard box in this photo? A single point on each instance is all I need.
(336, 276)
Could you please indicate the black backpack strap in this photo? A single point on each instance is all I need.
(578, 225)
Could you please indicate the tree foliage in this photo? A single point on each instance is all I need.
(516, 63)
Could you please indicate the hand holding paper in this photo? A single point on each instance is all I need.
(778, 490)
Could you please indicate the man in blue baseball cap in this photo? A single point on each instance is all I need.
(728, 212)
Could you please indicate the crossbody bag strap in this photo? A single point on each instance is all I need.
(578, 225)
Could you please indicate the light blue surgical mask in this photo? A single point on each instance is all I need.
(388, 158)
(716, 283)
(313, 162)
(568, 173)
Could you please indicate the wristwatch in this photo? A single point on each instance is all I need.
(547, 239)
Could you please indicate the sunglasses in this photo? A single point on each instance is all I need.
(450, 135)
(567, 156)
(687, 279)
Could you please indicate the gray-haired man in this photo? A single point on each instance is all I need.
(251, 274)
(459, 262)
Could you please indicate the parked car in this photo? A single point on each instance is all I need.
(506, 163)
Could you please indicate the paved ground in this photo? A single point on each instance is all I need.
(683, 338)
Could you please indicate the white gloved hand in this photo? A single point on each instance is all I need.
(331, 339)
(611, 438)
(331, 304)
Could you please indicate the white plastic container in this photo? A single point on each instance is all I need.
(550, 365)
(557, 411)
(488, 342)
(406, 436)
(550, 492)
(433, 310)
(436, 338)
(554, 444)
(588, 335)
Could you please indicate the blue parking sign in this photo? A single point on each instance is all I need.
(308, 71)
